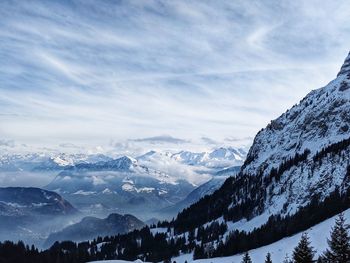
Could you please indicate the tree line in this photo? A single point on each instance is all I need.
(338, 250)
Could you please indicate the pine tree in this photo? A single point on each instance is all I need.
(303, 253)
(287, 259)
(268, 258)
(339, 244)
(246, 258)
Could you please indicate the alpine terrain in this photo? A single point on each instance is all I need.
(296, 175)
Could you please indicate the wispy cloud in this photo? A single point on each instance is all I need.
(88, 71)
(7, 143)
(161, 139)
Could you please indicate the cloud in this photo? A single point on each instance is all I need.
(236, 139)
(83, 71)
(27, 179)
(7, 143)
(69, 145)
(161, 139)
(208, 140)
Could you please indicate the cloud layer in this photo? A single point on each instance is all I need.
(91, 71)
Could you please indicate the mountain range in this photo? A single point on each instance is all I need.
(296, 175)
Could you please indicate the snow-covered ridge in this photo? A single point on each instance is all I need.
(322, 118)
(218, 158)
(345, 69)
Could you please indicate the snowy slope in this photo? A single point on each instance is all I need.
(321, 119)
(318, 236)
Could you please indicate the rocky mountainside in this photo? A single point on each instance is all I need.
(320, 120)
(301, 156)
(91, 227)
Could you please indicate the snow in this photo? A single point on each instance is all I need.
(318, 236)
(128, 187)
(160, 230)
(131, 188)
(107, 191)
(63, 162)
(118, 261)
(145, 190)
(81, 192)
(221, 157)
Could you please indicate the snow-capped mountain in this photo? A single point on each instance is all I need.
(121, 184)
(40, 162)
(296, 175)
(319, 121)
(218, 158)
(300, 157)
(196, 168)
(95, 179)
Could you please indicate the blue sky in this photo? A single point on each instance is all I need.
(178, 72)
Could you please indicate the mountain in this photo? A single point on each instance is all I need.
(205, 189)
(300, 156)
(121, 185)
(32, 201)
(218, 158)
(91, 227)
(41, 162)
(296, 175)
(30, 213)
(229, 171)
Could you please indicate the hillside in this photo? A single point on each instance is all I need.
(301, 155)
(279, 250)
(92, 227)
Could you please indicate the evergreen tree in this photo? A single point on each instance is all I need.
(268, 258)
(287, 259)
(303, 253)
(339, 243)
(246, 258)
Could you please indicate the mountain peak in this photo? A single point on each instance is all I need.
(345, 69)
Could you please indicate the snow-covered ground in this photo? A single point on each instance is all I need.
(318, 237)
(118, 261)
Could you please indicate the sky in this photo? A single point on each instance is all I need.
(175, 74)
